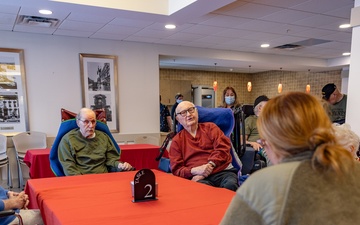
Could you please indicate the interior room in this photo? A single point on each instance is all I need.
(233, 42)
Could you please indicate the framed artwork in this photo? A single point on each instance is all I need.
(99, 85)
(13, 103)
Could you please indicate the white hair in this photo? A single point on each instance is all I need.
(257, 107)
(346, 137)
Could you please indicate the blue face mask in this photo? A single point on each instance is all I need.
(229, 100)
(178, 101)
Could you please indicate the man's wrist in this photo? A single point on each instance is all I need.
(212, 163)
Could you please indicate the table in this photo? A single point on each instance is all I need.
(138, 155)
(106, 199)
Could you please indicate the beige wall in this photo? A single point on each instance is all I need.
(263, 83)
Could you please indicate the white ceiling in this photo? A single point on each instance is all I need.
(221, 25)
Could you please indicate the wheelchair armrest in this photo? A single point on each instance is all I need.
(7, 213)
(247, 160)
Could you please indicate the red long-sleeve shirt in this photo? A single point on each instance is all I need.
(209, 144)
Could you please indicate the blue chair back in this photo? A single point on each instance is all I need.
(224, 119)
(65, 127)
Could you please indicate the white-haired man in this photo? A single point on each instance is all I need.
(201, 151)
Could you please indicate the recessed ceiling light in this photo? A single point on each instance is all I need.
(265, 45)
(45, 12)
(343, 26)
(346, 53)
(170, 26)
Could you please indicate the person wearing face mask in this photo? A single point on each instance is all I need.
(178, 98)
(230, 99)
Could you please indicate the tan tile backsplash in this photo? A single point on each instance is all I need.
(262, 83)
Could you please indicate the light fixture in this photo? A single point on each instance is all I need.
(215, 83)
(265, 45)
(346, 54)
(170, 26)
(280, 87)
(45, 12)
(249, 85)
(307, 89)
(346, 25)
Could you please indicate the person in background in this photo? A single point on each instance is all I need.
(251, 131)
(230, 99)
(201, 151)
(85, 150)
(347, 138)
(337, 103)
(312, 173)
(10, 200)
(165, 119)
(178, 98)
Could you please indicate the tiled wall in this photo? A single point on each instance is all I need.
(262, 83)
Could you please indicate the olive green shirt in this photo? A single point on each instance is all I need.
(338, 110)
(79, 155)
(251, 128)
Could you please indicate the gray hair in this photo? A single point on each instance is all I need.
(346, 137)
(257, 107)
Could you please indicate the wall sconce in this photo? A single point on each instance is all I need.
(215, 83)
(249, 85)
(280, 87)
(307, 89)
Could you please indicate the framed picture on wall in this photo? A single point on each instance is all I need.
(13, 102)
(99, 85)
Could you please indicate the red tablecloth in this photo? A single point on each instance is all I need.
(106, 199)
(138, 155)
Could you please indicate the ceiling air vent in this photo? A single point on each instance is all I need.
(37, 21)
(288, 47)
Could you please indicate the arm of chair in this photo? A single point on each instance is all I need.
(11, 212)
(6, 213)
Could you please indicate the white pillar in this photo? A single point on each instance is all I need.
(353, 102)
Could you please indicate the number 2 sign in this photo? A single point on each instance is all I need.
(144, 186)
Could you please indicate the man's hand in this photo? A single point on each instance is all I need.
(256, 146)
(16, 200)
(124, 166)
(204, 170)
(197, 178)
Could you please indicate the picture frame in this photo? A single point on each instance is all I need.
(13, 99)
(99, 85)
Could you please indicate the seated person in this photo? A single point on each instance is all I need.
(347, 138)
(85, 150)
(201, 151)
(12, 200)
(251, 132)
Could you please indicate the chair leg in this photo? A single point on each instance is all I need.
(20, 176)
(9, 176)
(20, 219)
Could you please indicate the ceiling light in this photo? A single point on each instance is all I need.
(346, 53)
(343, 26)
(170, 26)
(264, 45)
(45, 12)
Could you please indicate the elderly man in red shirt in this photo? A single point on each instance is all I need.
(201, 151)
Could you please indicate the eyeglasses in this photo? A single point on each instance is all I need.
(87, 122)
(183, 113)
